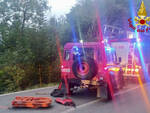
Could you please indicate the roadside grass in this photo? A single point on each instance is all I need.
(42, 86)
(33, 87)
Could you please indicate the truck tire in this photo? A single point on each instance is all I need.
(110, 87)
(121, 79)
(109, 95)
(84, 68)
(113, 82)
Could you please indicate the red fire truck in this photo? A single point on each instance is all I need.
(126, 45)
(90, 64)
(126, 49)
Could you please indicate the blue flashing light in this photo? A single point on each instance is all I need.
(138, 40)
(108, 48)
(138, 44)
(106, 41)
(75, 48)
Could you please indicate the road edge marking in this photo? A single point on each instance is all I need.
(131, 89)
(27, 91)
(81, 106)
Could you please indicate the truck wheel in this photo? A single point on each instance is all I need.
(84, 68)
(121, 79)
(112, 87)
(113, 82)
(109, 96)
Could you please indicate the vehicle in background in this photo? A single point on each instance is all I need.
(126, 45)
(126, 50)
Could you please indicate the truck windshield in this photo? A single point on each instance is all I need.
(83, 52)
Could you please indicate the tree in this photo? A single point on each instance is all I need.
(83, 16)
(28, 47)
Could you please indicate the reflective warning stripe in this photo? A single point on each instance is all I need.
(32, 102)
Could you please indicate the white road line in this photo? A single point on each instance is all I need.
(126, 91)
(81, 106)
(131, 89)
(92, 102)
(26, 91)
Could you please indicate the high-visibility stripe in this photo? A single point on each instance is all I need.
(32, 102)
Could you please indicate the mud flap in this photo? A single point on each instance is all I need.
(103, 92)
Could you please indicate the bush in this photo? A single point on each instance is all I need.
(11, 78)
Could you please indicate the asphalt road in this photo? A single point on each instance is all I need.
(132, 99)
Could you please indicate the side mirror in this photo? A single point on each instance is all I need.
(119, 59)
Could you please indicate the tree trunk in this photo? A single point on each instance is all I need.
(40, 75)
